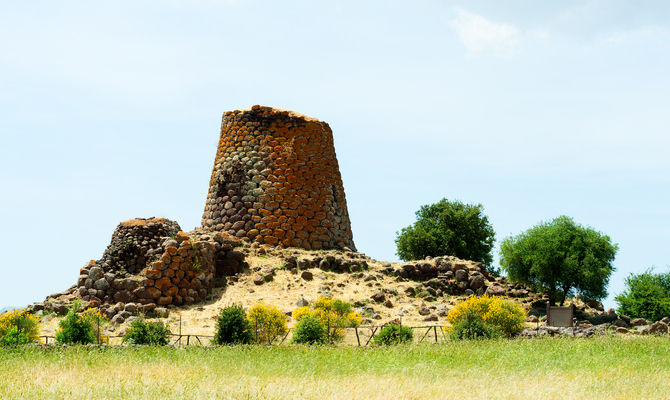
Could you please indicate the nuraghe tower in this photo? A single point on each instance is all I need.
(276, 180)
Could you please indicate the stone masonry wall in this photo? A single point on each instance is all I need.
(276, 180)
(152, 263)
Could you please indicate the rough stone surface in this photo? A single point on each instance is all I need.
(151, 261)
(306, 275)
(276, 180)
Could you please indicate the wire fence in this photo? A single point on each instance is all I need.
(361, 336)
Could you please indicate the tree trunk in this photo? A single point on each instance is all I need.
(565, 294)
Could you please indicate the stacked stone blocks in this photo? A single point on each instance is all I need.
(276, 181)
(176, 269)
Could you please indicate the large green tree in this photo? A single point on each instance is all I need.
(647, 295)
(560, 258)
(448, 228)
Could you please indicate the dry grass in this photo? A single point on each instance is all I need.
(143, 221)
(613, 368)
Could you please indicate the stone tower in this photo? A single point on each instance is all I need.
(276, 180)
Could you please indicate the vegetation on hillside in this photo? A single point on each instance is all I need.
(448, 228)
(494, 313)
(561, 258)
(647, 295)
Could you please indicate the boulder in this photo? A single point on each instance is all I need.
(495, 290)
(657, 328)
(477, 282)
(461, 275)
(306, 275)
(95, 273)
(379, 297)
(101, 284)
(302, 302)
(431, 317)
(161, 312)
(639, 322)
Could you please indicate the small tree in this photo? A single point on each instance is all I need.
(448, 228)
(232, 326)
(266, 322)
(561, 258)
(647, 295)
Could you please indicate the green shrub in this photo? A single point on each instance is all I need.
(14, 337)
(75, 329)
(393, 334)
(448, 228)
(151, 333)
(647, 295)
(334, 315)
(232, 326)
(472, 326)
(310, 331)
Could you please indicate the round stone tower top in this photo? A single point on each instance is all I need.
(276, 180)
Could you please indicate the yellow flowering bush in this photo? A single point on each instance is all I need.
(266, 322)
(333, 314)
(22, 326)
(507, 315)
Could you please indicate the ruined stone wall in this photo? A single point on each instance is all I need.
(152, 263)
(276, 180)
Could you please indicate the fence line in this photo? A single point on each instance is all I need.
(188, 339)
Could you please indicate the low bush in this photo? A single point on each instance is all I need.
(393, 334)
(81, 328)
(18, 327)
(149, 333)
(266, 322)
(472, 326)
(74, 329)
(232, 326)
(14, 337)
(334, 315)
(506, 315)
(310, 331)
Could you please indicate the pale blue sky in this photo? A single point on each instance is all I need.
(534, 109)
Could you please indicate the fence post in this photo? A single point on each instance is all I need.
(97, 318)
(358, 339)
(435, 331)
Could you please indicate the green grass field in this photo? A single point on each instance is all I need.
(597, 368)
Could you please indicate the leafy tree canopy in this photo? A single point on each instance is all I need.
(448, 228)
(647, 295)
(561, 258)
